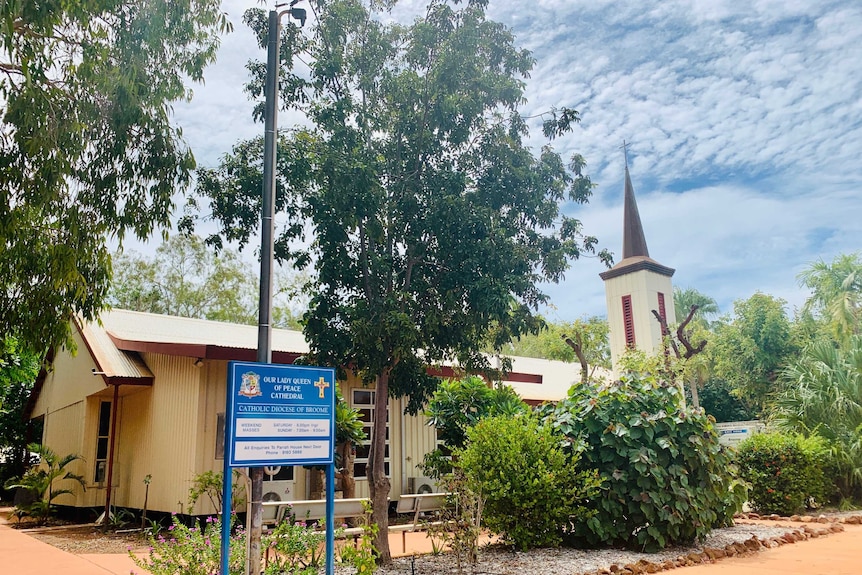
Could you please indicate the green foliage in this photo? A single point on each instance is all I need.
(531, 486)
(750, 350)
(18, 371)
(458, 404)
(362, 556)
(784, 471)
(551, 342)
(294, 549)
(460, 522)
(211, 484)
(348, 425)
(193, 550)
(717, 400)
(683, 299)
(434, 220)
(836, 294)
(821, 395)
(186, 278)
(41, 480)
(88, 150)
(665, 480)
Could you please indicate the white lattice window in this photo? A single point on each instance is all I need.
(363, 401)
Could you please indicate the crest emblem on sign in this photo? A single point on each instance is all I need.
(250, 386)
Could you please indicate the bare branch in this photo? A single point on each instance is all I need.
(665, 333)
(690, 351)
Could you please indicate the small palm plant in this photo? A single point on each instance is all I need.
(40, 481)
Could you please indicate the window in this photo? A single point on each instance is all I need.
(219, 438)
(363, 401)
(661, 309)
(277, 473)
(103, 439)
(628, 321)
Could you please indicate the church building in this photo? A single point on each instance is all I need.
(635, 287)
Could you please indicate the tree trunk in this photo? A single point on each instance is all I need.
(316, 485)
(378, 483)
(255, 522)
(695, 398)
(347, 451)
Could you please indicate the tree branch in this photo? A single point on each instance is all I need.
(690, 351)
(578, 348)
(665, 333)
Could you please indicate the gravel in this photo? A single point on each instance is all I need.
(498, 561)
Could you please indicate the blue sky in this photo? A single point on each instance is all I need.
(744, 121)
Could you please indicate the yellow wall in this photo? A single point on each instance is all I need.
(63, 434)
(643, 286)
(71, 379)
(169, 432)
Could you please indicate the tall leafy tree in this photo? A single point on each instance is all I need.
(87, 147)
(186, 278)
(822, 394)
(433, 221)
(583, 340)
(683, 299)
(751, 348)
(836, 294)
(18, 371)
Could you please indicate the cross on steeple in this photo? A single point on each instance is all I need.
(321, 384)
(625, 149)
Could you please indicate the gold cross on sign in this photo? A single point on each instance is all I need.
(321, 385)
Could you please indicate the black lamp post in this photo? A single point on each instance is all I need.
(264, 333)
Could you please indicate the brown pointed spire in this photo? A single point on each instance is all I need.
(634, 242)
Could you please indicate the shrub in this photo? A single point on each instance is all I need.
(192, 551)
(784, 470)
(41, 482)
(532, 489)
(293, 548)
(665, 480)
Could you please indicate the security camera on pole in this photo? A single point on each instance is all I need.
(264, 346)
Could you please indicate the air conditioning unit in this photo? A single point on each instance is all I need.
(421, 485)
(271, 496)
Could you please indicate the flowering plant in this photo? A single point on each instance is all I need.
(193, 550)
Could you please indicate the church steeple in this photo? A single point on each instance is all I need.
(635, 287)
(634, 242)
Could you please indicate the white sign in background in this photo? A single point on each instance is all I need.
(280, 450)
(266, 427)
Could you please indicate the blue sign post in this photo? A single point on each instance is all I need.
(279, 415)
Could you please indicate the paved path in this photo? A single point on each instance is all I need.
(836, 554)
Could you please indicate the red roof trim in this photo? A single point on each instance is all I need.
(447, 371)
(203, 351)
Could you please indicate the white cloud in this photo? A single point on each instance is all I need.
(744, 119)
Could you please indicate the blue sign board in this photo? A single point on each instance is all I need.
(279, 415)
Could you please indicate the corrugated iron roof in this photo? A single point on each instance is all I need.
(112, 362)
(124, 332)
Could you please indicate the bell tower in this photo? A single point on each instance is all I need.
(634, 287)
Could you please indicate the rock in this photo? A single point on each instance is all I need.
(795, 518)
(836, 528)
(633, 568)
(614, 568)
(667, 565)
(752, 544)
(652, 568)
